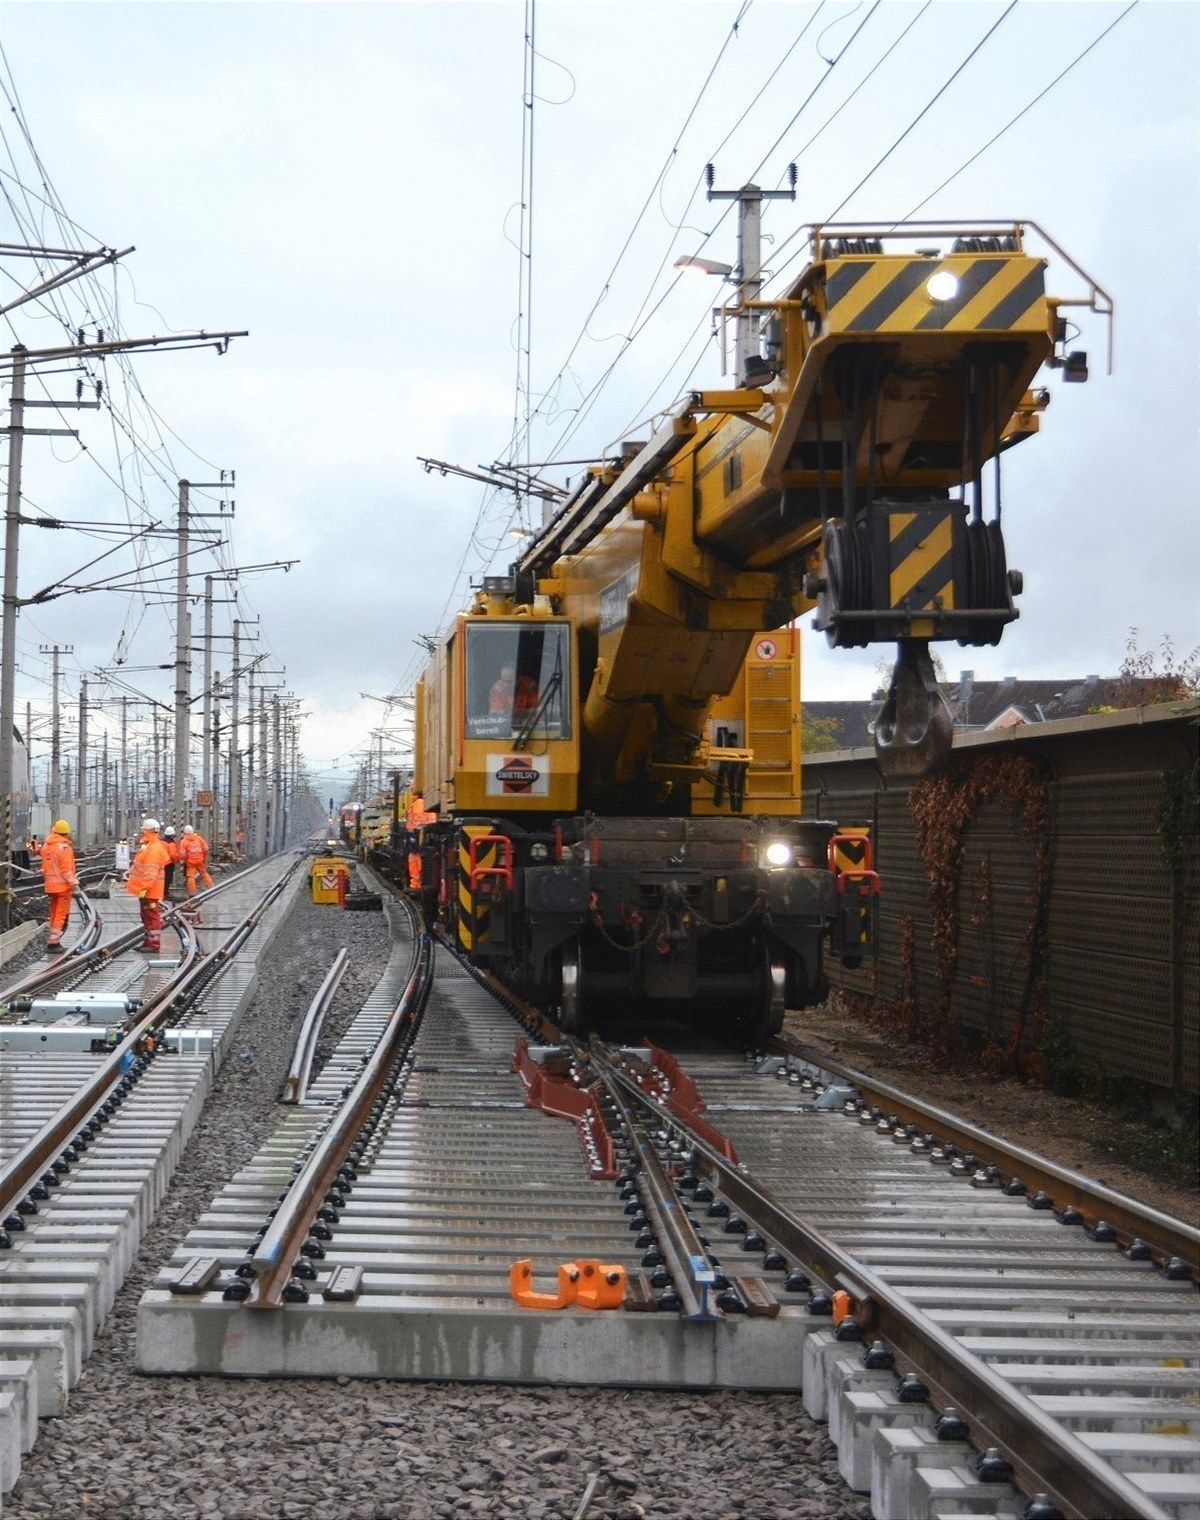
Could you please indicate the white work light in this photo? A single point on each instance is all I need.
(778, 853)
(942, 286)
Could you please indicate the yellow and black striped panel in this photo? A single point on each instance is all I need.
(862, 931)
(921, 560)
(473, 916)
(996, 292)
(852, 850)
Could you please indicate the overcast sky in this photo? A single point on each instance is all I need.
(345, 181)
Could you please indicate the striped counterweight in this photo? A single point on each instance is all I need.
(921, 559)
(1001, 292)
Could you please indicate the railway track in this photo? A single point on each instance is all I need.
(974, 1349)
(101, 1082)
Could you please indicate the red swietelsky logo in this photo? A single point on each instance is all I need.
(518, 773)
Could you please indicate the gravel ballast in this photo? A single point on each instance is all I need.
(139, 1448)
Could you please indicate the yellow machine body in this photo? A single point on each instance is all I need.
(633, 792)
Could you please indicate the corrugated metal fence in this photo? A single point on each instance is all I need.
(1118, 973)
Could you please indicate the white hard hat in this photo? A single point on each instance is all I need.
(169, 832)
(150, 823)
(188, 829)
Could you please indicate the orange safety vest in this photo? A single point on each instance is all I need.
(58, 864)
(146, 872)
(192, 849)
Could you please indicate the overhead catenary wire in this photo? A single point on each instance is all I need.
(1024, 111)
(141, 456)
(925, 109)
(654, 190)
(643, 317)
(521, 437)
(647, 310)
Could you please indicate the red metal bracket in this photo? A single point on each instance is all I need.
(683, 1099)
(504, 856)
(863, 878)
(556, 1094)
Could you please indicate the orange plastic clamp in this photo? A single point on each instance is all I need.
(843, 1306)
(520, 1278)
(601, 1286)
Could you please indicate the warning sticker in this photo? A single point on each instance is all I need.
(766, 649)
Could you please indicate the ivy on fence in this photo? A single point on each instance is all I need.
(942, 807)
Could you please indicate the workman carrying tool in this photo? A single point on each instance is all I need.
(59, 878)
(193, 851)
(147, 882)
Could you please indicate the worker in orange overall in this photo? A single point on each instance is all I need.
(147, 882)
(193, 851)
(59, 878)
(172, 848)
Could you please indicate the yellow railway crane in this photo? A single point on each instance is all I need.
(610, 738)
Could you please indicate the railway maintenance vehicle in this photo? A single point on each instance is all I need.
(609, 739)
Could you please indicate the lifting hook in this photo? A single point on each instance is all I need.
(914, 730)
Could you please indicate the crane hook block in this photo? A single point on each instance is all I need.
(914, 730)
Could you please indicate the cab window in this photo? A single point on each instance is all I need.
(517, 680)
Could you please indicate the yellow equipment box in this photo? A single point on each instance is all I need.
(330, 879)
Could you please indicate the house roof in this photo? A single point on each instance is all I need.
(980, 704)
(985, 704)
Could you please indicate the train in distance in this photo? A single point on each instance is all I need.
(608, 743)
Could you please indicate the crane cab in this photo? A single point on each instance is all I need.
(497, 718)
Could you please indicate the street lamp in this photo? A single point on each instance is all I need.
(704, 266)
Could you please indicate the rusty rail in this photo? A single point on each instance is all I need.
(287, 1233)
(25, 1169)
(1045, 1457)
(1166, 1238)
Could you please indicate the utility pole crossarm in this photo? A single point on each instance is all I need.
(749, 266)
(201, 339)
(83, 263)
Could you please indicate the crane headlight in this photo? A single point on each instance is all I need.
(539, 851)
(779, 853)
(942, 286)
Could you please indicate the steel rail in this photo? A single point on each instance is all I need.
(1045, 1456)
(27, 1166)
(678, 1237)
(93, 927)
(295, 1084)
(1166, 1237)
(287, 1232)
(94, 956)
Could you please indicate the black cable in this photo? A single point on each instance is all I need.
(654, 189)
(924, 111)
(1023, 111)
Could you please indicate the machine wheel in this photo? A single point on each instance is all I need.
(570, 1017)
(767, 1021)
